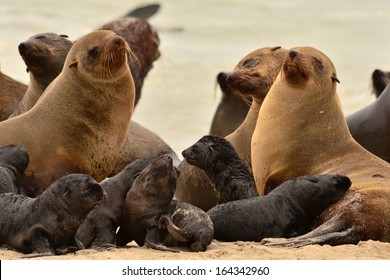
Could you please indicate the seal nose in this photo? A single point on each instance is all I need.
(293, 54)
(22, 47)
(118, 40)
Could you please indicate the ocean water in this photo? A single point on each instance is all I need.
(201, 38)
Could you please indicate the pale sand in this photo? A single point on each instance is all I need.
(367, 250)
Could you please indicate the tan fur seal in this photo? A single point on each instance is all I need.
(44, 55)
(301, 130)
(11, 93)
(80, 122)
(253, 76)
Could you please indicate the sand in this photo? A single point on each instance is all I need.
(367, 250)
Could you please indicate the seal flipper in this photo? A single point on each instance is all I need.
(39, 238)
(332, 232)
(154, 239)
(176, 232)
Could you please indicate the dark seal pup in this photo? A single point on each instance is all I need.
(99, 228)
(231, 178)
(288, 210)
(149, 196)
(13, 162)
(186, 225)
(50, 221)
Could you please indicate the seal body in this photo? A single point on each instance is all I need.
(231, 178)
(231, 111)
(49, 221)
(80, 122)
(252, 76)
(301, 130)
(44, 55)
(99, 227)
(13, 162)
(186, 225)
(149, 196)
(288, 210)
(11, 93)
(370, 126)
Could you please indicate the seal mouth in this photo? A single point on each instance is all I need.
(32, 55)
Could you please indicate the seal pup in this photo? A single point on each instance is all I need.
(185, 225)
(82, 117)
(13, 163)
(44, 55)
(370, 126)
(252, 76)
(50, 221)
(301, 130)
(231, 111)
(11, 93)
(231, 178)
(380, 79)
(286, 211)
(149, 196)
(99, 228)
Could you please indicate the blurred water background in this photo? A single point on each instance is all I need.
(180, 95)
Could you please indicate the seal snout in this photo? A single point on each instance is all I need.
(343, 181)
(293, 54)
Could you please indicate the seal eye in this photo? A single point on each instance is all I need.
(249, 63)
(40, 37)
(319, 63)
(94, 52)
(64, 36)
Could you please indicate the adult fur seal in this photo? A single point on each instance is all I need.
(231, 110)
(44, 55)
(99, 228)
(149, 196)
(231, 178)
(11, 93)
(286, 211)
(380, 79)
(80, 122)
(370, 126)
(185, 225)
(13, 163)
(301, 130)
(50, 221)
(253, 76)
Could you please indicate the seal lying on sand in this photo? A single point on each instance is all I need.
(11, 93)
(44, 55)
(231, 178)
(149, 196)
(99, 228)
(301, 130)
(253, 76)
(185, 225)
(286, 211)
(380, 79)
(81, 121)
(50, 221)
(13, 163)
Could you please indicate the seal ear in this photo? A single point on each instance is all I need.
(73, 64)
(334, 78)
(67, 192)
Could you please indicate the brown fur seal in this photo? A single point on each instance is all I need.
(99, 228)
(380, 79)
(44, 55)
(231, 110)
(80, 123)
(231, 178)
(301, 130)
(288, 210)
(185, 225)
(253, 76)
(13, 163)
(144, 43)
(11, 93)
(149, 196)
(50, 221)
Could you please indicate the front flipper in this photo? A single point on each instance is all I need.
(39, 240)
(154, 239)
(332, 232)
(176, 232)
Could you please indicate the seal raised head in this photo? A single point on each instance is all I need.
(80, 122)
(50, 221)
(252, 76)
(301, 130)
